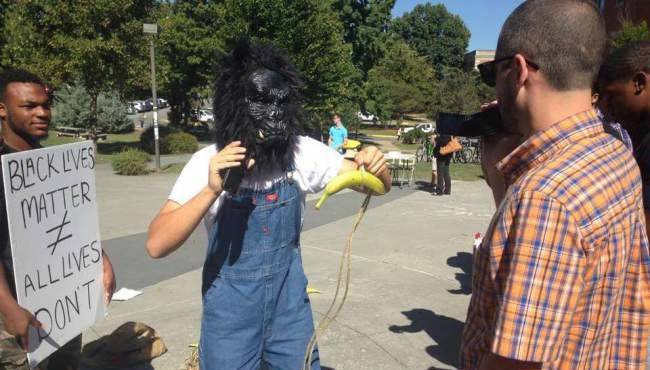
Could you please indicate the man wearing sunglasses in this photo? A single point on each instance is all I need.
(561, 280)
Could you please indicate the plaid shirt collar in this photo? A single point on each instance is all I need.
(544, 144)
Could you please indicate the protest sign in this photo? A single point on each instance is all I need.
(54, 232)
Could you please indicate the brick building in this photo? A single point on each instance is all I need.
(616, 11)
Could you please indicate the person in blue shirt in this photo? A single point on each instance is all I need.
(338, 135)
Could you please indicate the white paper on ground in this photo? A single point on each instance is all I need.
(125, 294)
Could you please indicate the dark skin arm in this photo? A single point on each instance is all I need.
(17, 320)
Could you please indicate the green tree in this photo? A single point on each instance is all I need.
(436, 34)
(311, 33)
(189, 45)
(72, 110)
(631, 33)
(196, 33)
(460, 92)
(402, 82)
(97, 43)
(366, 24)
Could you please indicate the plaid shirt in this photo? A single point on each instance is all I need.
(562, 276)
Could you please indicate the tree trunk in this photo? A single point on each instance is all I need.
(93, 118)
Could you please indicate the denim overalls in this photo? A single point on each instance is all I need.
(255, 306)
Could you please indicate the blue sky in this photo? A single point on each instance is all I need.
(484, 18)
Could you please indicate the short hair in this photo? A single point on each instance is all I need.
(625, 62)
(12, 75)
(566, 38)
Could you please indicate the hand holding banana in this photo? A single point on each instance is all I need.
(371, 159)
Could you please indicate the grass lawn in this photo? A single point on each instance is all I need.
(406, 147)
(458, 171)
(369, 131)
(113, 144)
(173, 168)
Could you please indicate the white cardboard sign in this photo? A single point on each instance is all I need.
(54, 232)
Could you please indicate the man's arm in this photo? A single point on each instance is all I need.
(174, 222)
(108, 278)
(17, 320)
(372, 159)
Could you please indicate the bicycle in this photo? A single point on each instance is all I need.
(470, 152)
(424, 152)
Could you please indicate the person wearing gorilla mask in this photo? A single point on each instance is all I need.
(255, 307)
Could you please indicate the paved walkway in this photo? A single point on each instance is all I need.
(410, 274)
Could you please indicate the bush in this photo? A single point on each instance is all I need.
(181, 142)
(414, 136)
(131, 162)
(147, 140)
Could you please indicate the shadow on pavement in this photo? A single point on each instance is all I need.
(423, 186)
(445, 331)
(463, 261)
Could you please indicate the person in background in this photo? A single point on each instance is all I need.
(625, 98)
(338, 135)
(612, 128)
(434, 164)
(442, 163)
(561, 279)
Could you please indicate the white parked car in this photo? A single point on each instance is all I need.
(426, 127)
(366, 117)
(205, 116)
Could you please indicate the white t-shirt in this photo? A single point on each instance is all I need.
(316, 165)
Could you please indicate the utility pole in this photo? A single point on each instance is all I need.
(152, 30)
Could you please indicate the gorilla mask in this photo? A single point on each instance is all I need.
(258, 101)
(266, 96)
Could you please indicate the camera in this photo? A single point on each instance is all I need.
(485, 123)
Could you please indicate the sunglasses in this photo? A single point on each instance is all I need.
(488, 70)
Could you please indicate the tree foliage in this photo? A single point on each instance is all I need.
(401, 82)
(366, 24)
(189, 44)
(436, 34)
(352, 55)
(460, 92)
(631, 33)
(73, 110)
(97, 43)
(310, 32)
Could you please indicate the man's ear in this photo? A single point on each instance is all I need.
(520, 67)
(640, 81)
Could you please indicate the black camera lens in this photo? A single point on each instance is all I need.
(485, 123)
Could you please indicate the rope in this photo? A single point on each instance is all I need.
(343, 282)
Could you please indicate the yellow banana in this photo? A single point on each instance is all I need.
(352, 179)
(311, 290)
